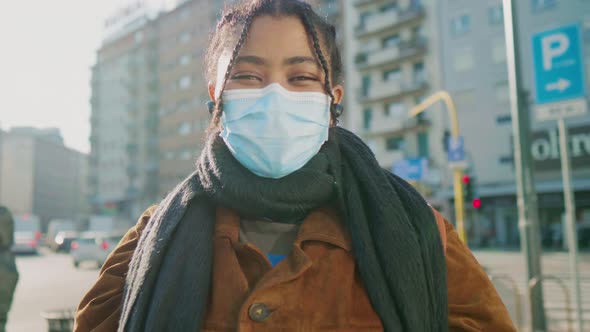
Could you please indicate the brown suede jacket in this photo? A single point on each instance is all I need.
(315, 288)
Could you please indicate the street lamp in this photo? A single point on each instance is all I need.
(457, 168)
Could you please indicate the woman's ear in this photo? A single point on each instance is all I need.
(338, 92)
(211, 88)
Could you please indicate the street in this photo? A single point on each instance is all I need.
(507, 271)
(50, 281)
(47, 281)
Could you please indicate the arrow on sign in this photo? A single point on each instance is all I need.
(560, 85)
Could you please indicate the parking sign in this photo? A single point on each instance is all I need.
(559, 73)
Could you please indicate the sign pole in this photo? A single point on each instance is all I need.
(570, 213)
(525, 186)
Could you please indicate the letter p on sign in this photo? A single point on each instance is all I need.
(554, 46)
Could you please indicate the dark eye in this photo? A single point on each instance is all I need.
(302, 78)
(246, 77)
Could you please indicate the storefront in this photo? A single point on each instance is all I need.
(495, 223)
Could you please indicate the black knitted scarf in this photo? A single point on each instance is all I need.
(395, 238)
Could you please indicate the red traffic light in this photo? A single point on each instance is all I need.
(466, 179)
(476, 203)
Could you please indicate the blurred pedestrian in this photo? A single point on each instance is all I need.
(8, 271)
(288, 222)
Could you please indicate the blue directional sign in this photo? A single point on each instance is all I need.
(411, 169)
(456, 153)
(559, 71)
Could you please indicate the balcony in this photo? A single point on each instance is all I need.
(358, 3)
(383, 90)
(386, 56)
(132, 148)
(388, 20)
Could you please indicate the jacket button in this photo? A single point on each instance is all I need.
(258, 312)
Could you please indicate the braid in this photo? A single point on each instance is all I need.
(318, 50)
(234, 56)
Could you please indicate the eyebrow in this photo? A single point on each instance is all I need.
(258, 61)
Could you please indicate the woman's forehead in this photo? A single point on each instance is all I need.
(277, 39)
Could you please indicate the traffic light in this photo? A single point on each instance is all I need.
(469, 191)
(476, 203)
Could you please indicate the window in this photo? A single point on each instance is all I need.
(364, 18)
(184, 60)
(390, 7)
(419, 73)
(539, 5)
(423, 145)
(367, 117)
(503, 119)
(463, 60)
(366, 85)
(391, 41)
(395, 110)
(502, 93)
(185, 37)
(394, 143)
(418, 32)
(496, 15)
(184, 82)
(460, 25)
(506, 160)
(392, 75)
(184, 129)
(499, 50)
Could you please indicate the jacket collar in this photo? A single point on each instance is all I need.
(322, 225)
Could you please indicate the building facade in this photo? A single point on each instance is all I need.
(41, 176)
(392, 66)
(124, 120)
(184, 118)
(473, 60)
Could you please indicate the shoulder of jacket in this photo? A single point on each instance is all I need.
(145, 217)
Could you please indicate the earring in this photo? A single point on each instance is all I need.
(210, 106)
(338, 109)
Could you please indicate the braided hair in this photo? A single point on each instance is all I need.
(235, 23)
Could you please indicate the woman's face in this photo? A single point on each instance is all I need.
(277, 50)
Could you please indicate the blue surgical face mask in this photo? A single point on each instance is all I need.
(273, 131)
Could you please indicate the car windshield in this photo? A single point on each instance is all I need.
(24, 225)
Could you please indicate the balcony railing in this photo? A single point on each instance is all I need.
(368, 60)
(390, 90)
(382, 21)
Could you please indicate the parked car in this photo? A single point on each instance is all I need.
(63, 241)
(54, 228)
(94, 247)
(27, 234)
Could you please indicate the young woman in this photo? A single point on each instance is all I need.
(288, 222)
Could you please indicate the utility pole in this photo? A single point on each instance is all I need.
(457, 167)
(528, 218)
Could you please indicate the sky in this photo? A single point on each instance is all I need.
(46, 51)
